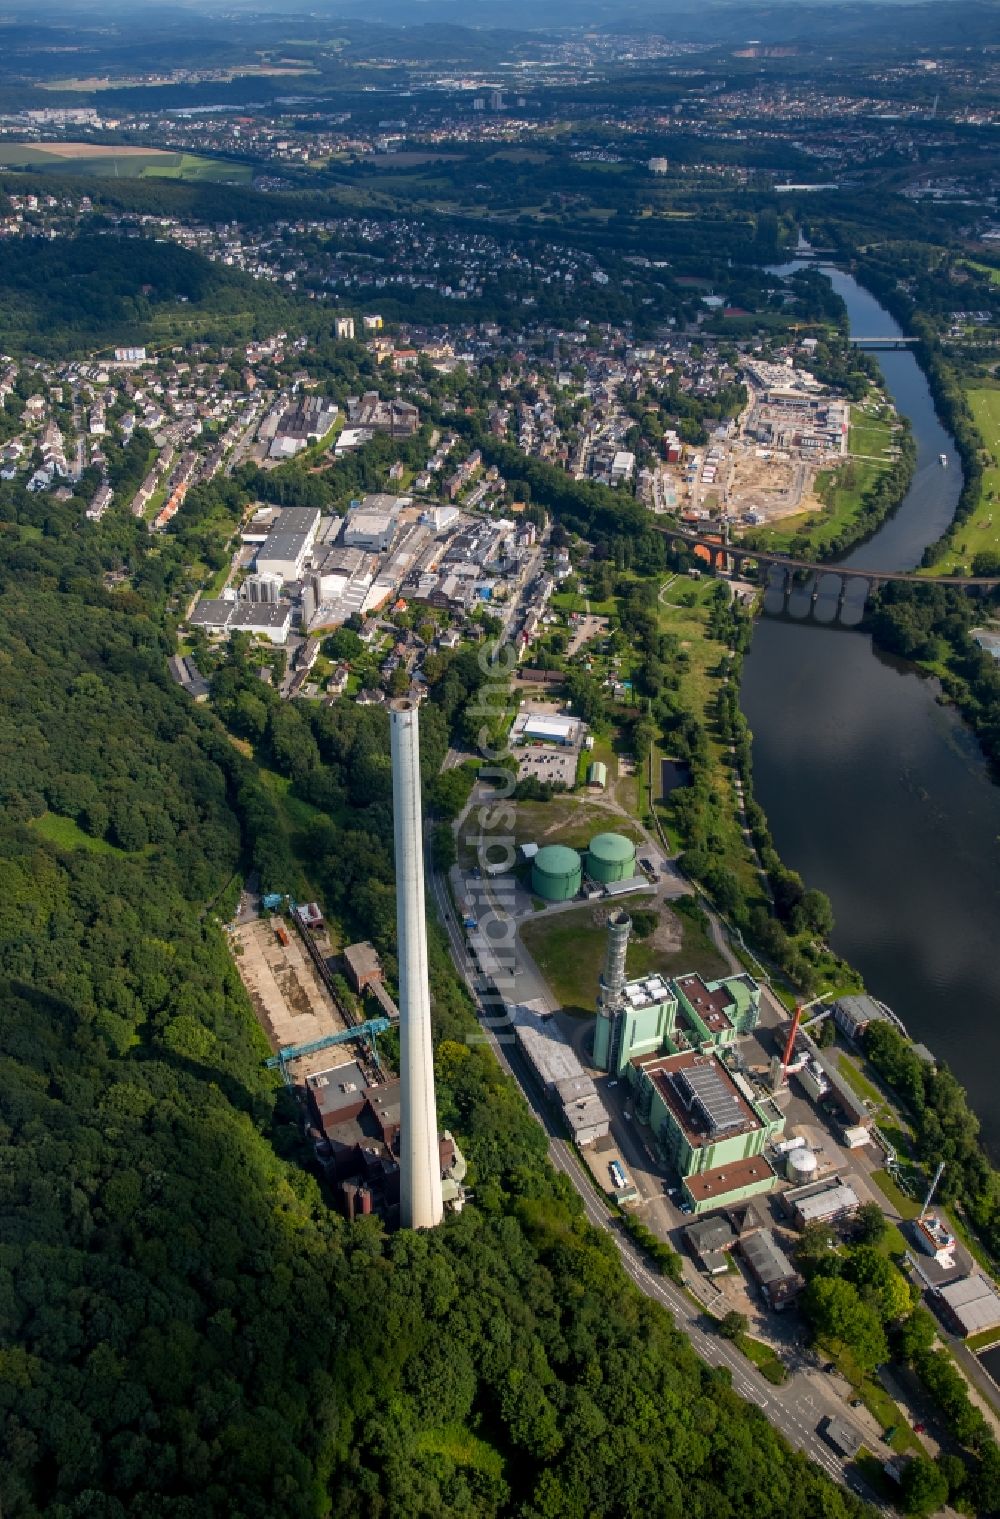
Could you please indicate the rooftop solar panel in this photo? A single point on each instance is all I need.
(702, 1088)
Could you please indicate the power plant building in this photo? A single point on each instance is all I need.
(667, 1036)
(710, 1128)
(652, 1014)
(556, 873)
(372, 524)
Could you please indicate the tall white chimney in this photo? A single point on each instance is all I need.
(420, 1162)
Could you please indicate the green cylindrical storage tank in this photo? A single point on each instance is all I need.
(611, 857)
(556, 873)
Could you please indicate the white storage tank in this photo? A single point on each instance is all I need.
(800, 1166)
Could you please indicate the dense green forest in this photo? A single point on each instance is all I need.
(64, 298)
(187, 1327)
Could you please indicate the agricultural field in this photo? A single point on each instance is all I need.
(982, 531)
(119, 161)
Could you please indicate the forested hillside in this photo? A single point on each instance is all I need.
(74, 295)
(186, 1328)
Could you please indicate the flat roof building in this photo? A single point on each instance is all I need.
(269, 619)
(364, 967)
(211, 613)
(972, 1304)
(555, 1064)
(822, 1202)
(685, 1013)
(283, 555)
(373, 524)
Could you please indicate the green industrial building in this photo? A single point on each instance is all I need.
(610, 858)
(669, 1037)
(708, 1124)
(653, 1014)
(641, 1024)
(556, 873)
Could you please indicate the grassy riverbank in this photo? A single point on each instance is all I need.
(980, 532)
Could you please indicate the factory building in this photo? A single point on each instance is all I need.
(641, 1023)
(611, 857)
(539, 728)
(556, 873)
(283, 553)
(372, 524)
(264, 619)
(707, 1123)
(212, 614)
(355, 1128)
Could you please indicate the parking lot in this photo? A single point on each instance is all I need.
(548, 763)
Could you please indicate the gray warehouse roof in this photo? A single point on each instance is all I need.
(212, 612)
(861, 1009)
(766, 1259)
(297, 519)
(974, 1301)
(282, 545)
(261, 614)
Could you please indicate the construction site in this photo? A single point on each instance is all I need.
(768, 485)
(287, 964)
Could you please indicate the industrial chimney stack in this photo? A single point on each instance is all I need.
(611, 997)
(421, 1205)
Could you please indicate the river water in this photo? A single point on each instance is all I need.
(879, 795)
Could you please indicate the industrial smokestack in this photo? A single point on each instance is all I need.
(421, 1206)
(611, 996)
(613, 975)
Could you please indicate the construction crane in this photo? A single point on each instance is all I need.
(366, 1031)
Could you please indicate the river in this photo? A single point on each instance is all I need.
(879, 795)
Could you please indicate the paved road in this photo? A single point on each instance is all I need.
(794, 1408)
